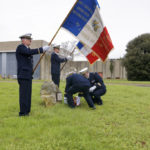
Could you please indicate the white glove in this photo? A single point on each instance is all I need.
(46, 48)
(65, 100)
(69, 58)
(78, 101)
(92, 89)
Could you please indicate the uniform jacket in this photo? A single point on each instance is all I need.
(25, 61)
(95, 79)
(55, 63)
(76, 80)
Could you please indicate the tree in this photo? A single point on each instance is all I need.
(137, 58)
(111, 67)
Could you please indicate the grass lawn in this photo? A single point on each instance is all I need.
(122, 123)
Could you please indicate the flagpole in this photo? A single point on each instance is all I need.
(54, 37)
(66, 61)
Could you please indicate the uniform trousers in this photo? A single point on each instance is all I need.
(56, 78)
(75, 89)
(96, 95)
(25, 91)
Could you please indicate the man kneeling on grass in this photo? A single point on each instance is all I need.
(97, 88)
(77, 83)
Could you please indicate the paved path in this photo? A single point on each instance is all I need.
(128, 84)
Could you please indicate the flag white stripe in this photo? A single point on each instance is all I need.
(87, 34)
(85, 51)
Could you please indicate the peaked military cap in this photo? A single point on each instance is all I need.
(26, 36)
(56, 46)
(83, 71)
(70, 73)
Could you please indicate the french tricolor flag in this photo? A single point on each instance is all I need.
(87, 52)
(85, 22)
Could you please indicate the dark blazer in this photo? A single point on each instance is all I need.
(95, 79)
(55, 63)
(25, 61)
(76, 80)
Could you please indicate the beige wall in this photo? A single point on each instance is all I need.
(119, 70)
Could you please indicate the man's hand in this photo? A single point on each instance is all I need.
(46, 48)
(92, 89)
(69, 58)
(78, 101)
(65, 100)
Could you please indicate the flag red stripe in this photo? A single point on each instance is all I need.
(103, 45)
(91, 58)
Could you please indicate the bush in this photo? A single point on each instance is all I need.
(137, 59)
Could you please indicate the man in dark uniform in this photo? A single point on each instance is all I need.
(24, 72)
(77, 83)
(55, 64)
(97, 88)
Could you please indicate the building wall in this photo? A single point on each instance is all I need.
(11, 66)
(118, 73)
(0, 63)
(4, 64)
(8, 64)
(37, 71)
(8, 67)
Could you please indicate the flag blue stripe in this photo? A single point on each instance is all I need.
(80, 15)
(80, 45)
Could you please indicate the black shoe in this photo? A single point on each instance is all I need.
(100, 102)
(93, 107)
(72, 106)
(22, 115)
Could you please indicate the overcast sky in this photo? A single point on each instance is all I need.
(124, 19)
